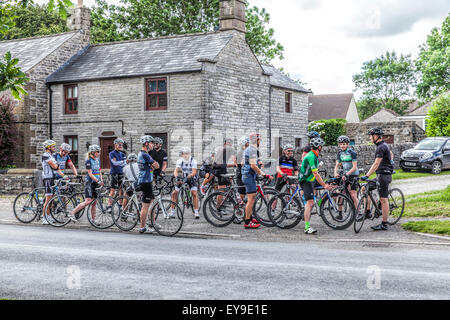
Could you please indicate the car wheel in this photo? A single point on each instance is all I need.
(436, 167)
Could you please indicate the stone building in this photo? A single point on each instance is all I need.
(333, 106)
(191, 89)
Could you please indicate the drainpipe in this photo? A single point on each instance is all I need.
(50, 116)
(269, 151)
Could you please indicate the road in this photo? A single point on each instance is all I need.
(50, 263)
(422, 184)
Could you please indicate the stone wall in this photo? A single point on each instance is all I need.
(403, 131)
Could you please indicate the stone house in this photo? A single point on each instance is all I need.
(383, 115)
(191, 89)
(333, 106)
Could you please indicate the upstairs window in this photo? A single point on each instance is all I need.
(71, 99)
(288, 100)
(156, 91)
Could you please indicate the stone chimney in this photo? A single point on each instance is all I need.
(232, 15)
(80, 18)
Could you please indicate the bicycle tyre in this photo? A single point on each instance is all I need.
(127, 218)
(335, 222)
(33, 206)
(160, 219)
(260, 209)
(78, 198)
(107, 218)
(360, 215)
(211, 213)
(285, 219)
(59, 210)
(394, 203)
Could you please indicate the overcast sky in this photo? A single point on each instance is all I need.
(326, 41)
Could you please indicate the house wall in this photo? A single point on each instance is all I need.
(106, 101)
(352, 113)
(381, 116)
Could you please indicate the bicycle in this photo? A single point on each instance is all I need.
(29, 205)
(287, 210)
(186, 197)
(396, 201)
(128, 216)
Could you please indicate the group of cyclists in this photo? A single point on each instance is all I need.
(150, 164)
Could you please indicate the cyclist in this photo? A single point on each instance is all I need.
(160, 156)
(187, 165)
(63, 159)
(93, 180)
(146, 166)
(207, 167)
(308, 174)
(117, 160)
(287, 166)
(307, 149)
(223, 157)
(249, 171)
(384, 168)
(131, 171)
(49, 166)
(347, 158)
(244, 142)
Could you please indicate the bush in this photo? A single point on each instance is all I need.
(8, 130)
(329, 130)
(438, 121)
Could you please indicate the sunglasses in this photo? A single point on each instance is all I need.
(289, 151)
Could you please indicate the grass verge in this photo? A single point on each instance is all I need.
(441, 227)
(400, 174)
(428, 204)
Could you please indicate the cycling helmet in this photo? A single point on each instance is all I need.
(66, 147)
(185, 150)
(244, 140)
(158, 140)
(343, 139)
(94, 148)
(316, 143)
(313, 134)
(288, 146)
(119, 140)
(49, 143)
(146, 138)
(378, 131)
(132, 157)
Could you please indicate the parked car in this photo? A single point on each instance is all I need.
(429, 154)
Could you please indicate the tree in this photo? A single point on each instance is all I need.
(438, 120)
(137, 19)
(8, 131)
(387, 80)
(433, 63)
(329, 129)
(35, 20)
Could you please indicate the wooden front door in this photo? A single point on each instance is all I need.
(107, 145)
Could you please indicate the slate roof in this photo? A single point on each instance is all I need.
(278, 79)
(31, 51)
(329, 106)
(153, 56)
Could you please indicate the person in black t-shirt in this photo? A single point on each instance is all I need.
(160, 156)
(383, 167)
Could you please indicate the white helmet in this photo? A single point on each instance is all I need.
(185, 150)
(244, 140)
(119, 140)
(146, 138)
(66, 147)
(288, 146)
(49, 143)
(94, 148)
(132, 157)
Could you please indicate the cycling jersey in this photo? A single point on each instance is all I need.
(159, 156)
(47, 170)
(118, 160)
(309, 165)
(94, 165)
(186, 166)
(287, 165)
(250, 153)
(145, 162)
(62, 162)
(347, 157)
(383, 152)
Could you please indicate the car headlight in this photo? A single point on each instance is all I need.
(403, 154)
(427, 155)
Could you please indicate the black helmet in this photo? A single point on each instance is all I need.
(343, 139)
(316, 143)
(313, 134)
(378, 131)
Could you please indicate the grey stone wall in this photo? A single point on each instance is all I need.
(403, 131)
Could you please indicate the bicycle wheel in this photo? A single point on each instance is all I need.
(125, 217)
(60, 206)
(162, 219)
(78, 198)
(396, 205)
(100, 214)
(360, 215)
(285, 214)
(25, 207)
(260, 209)
(337, 211)
(219, 213)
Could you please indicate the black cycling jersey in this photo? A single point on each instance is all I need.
(383, 152)
(159, 156)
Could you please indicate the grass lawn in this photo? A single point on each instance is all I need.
(400, 174)
(441, 227)
(428, 204)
